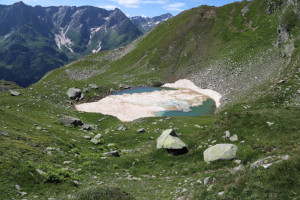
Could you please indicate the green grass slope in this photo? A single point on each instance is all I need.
(235, 49)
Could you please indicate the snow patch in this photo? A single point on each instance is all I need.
(187, 84)
(62, 40)
(99, 48)
(129, 107)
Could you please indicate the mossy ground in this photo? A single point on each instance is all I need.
(148, 173)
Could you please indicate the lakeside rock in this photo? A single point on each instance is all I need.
(220, 152)
(170, 141)
(14, 93)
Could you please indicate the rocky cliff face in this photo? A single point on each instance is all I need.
(146, 24)
(35, 40)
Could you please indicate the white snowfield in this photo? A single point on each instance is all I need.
(129, 107)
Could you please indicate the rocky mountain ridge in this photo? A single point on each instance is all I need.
(37, 39)
(146, 24)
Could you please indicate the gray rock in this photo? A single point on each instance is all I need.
(288, 50)
(206, 180)
(209, 181)
(227, 134)
(87, 137)
(123, 86)
(40, 172)
(273, 6)
(18, 187)
(141, 130)
(76, 183)
(236, 169)
(14, 93)
(111, 145)
(23, 193)
(245, 9)
(86, 127)
(170, 141)
(74, 93)
(95, 141)
(238, 162)
(282, 33)
(267, 161)
(98, 136)
(281, 81)
(70, 121)
(126, 151)
(122, 128)
(112, 153)
(81, 97)
(210, 188)
(93, 86)
(220, 152)
(5, 133)
(221, 193)
(50, 149)
(234, 138)
(264, 162)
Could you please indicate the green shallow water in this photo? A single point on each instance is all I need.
(207, 108)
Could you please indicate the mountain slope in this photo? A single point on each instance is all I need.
(35, 40)
(146, 24)
(248, 51)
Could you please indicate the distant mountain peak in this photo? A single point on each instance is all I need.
(20, 3)
(146, 24)
(59, 34)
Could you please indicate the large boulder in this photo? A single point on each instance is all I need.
(70, 121)
(220, 152)
(170, 141)
(74, 93)
(14, 93)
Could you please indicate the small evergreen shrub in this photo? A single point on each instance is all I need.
(55, 175)
(290, 19)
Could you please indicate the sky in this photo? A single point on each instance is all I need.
(149, 8)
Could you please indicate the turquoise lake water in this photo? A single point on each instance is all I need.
(207, 108)
(141, 90)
